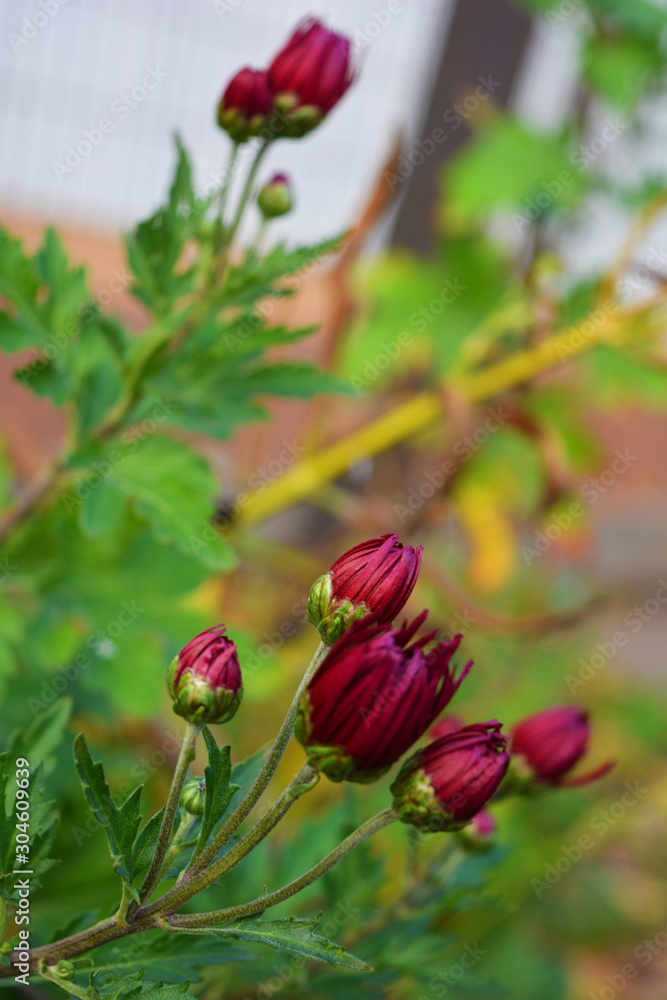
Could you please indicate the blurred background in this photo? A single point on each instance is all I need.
(501, 168)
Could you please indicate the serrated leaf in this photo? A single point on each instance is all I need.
(120, 824)
(219, 790)
(108, 986)
(168, 956)
(144, 847)
(173, 489)
(292, 936)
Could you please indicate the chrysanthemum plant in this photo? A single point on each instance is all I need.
(374, 687)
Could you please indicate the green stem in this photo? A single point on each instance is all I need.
(302, 782)
(222, 197)
(177, 845)
(362, 833)
(185, 757)
(267, 771)
(247, 190)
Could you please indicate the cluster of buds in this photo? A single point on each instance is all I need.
(305, 80)
(375, 693)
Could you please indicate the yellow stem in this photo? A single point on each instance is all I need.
(422, 410)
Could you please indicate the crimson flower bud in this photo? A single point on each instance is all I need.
(205, 678)
(192, 797)
(375, 577)
(372, 697)
(551, 742)
(309, 76)
(275, 198)
(445, 785)
(246, 105)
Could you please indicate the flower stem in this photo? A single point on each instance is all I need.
(362, 833)
(267, 771)
(247, 190)
(185, 889)
(185, 757)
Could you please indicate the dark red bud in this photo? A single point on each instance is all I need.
(448, 783)
(374, 577)
(246, 105)
(373, 697)
(552, 742)
(205, 678)
(310, 73)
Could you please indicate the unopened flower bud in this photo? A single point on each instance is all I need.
(445, 785)
(192, 797)
(275, 198)
(309, 76)
(372, 697)
(205, 678)
(549, 744)
(246, 105)
(375, 577)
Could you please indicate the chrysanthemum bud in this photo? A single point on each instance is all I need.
(275, 198)
(375, 577)
(246, 105)
(372, 697)
(445, 785)
(309, 76)
(550, 743)
(205, 678)
(192, 797)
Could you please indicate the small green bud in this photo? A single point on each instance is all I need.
(192, 797)
(275, 198)
(330, 616)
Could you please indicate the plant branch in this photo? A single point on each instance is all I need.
(424, 409)
(192, 884)
(31, 498)
(266, 772)
(185, 758)
(362, 833)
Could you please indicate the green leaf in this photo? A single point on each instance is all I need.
(170, 486)
(108, 986)
(619, 69)
(167, 956)
(292, 936)
(219, 790)
(120, 825)
(144, 847)
(156, 246)
(507, 167)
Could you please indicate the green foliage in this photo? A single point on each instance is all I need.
(218, 787)
(291, 936)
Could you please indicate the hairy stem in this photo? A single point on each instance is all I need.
(30, 499)
(267, 771)
(185, 758)
(362, 833)
(301, 783)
